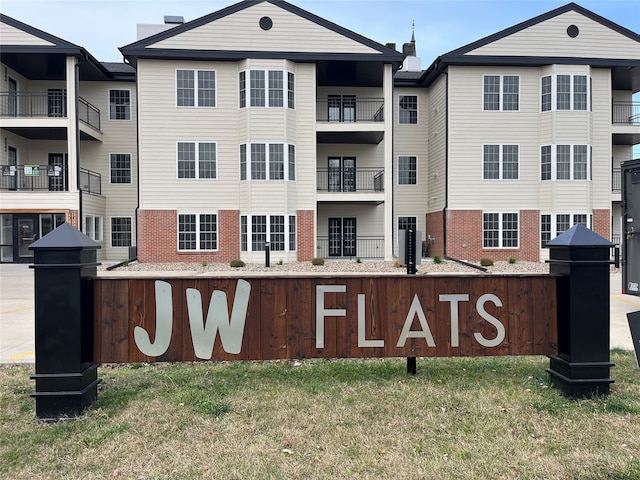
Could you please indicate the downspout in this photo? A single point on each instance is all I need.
(446, 162)
(76, 93)
(137, 156)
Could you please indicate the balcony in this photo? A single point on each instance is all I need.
(342, 247)
(346, 119)
(45, 105)
(51, 178)
(616, 180)
(350, 181)
(626, 113)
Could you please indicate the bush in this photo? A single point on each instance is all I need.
(437, 259)
(237, 263)
(512, 260)
(317, 261)
(358, 260)
(204, 263)
(280, 262)
(486, 262)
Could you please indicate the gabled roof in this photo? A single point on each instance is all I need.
(18, 37)
(486, 51)
(168, 44)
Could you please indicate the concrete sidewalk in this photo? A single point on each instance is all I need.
(17, 329)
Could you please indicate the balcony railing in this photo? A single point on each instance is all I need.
(616, 180)
(626, 113)
(349, 247)
(52, 178)
(344, 180)
(349, 109)
(45, 104)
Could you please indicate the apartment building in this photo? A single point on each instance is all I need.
(263, 123)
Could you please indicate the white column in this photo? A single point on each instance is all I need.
(388, 161)
(72, 113)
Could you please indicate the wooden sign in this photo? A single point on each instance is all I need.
(265, 318)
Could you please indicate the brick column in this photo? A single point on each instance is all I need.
(306, 235)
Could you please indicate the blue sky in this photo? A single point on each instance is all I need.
(101, 26)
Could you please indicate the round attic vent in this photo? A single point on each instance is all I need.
(266, 23)
(572, 31)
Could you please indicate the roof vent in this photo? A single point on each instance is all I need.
(173, 20)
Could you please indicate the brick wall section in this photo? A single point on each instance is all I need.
(306, 235)
(435, 228)
(602, 222)
(464, 237)
(158, 233)
(71, 217)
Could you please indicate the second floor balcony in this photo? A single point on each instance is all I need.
(349, 109)
(49, 104)
(43, 178)
(347, 180)
(626, 113)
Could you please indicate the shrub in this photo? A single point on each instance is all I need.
(358, 260)
(396, 263)
(237, 263)
(317, 261)
(512, 260)
(437, 259)
(486, 262)
(280, 262)
(204, 263)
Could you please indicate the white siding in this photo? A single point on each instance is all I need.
(12, 36)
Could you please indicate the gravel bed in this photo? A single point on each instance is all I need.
(336, 266)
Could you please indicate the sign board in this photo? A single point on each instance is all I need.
(32, 170)
(265, 318)
(53, 170)
(634, 326)
(9, 170)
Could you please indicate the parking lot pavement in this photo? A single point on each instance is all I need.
(17, 314)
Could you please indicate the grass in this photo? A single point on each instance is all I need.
(458, 418)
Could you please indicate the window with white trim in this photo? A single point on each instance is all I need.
(119, 105)
(121, 231)
(565, 162)
(197, 231)
(267, 88)
(120, 168)
(501, 92)
(500, 162)
(500, 230)
(262, 161)
(93, 227)
(565, 92)
(280, 230)
(408, 110)
(552, 225)
(407, 170)
(407, 223)
(196, 160)
(190, 94)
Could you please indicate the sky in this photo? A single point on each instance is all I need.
(101, 26)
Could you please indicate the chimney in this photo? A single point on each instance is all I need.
(392, 46)
(173, 20)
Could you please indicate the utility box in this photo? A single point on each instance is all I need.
(630, 172)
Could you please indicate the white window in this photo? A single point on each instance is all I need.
(407, 223)
(121, 231)
(197, 231)
(267, 88)
(119, 105)
(278, 230)
(196, 160)
(93, 227)
(565, 92)
(501, 92)
(552, 225)
(565, 162)
(262, 161)
(189, 93)
(500, 162)
(407, 170)
(500, 230)
(120, 167)
(408, 111)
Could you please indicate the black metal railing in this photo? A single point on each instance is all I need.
(45, 104)
(344, 180)
(349, 247)
(52, 178)
(616, 180)
(349, 110)
(626, 113)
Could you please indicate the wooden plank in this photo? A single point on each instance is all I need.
(273, 321)
(521, 317)
(545, 315)
(141, 314)
(301, 332)
(113, 320)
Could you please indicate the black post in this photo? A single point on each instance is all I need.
(66, 377)
(410, 249)
(581, 368)
(267, 254)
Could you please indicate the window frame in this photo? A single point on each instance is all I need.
(248, 164)
(407, 171)
(249, 237)
(552, 222)
(197, 160)
(549, 170)
(501, 231)
(408, 119)
(114, 232)
(572, 93)
(113, 107)
(96, 232)
(406, 219)
(198, 232)
(501, 160)
(195, 89)
(282, 96)
(500, 93)
(119, 169)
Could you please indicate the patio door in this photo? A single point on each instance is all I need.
(57, 172)
(342, 174)
(342, 108)
(342, 237)
(12, 109)
(13, 162)
(27, 232)
(56, 102)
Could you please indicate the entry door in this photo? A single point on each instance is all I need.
(13, 162)
(56, 102)
(342, 237)
(58, 173)
(27, 233)
(342, 174)
(13, 98)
